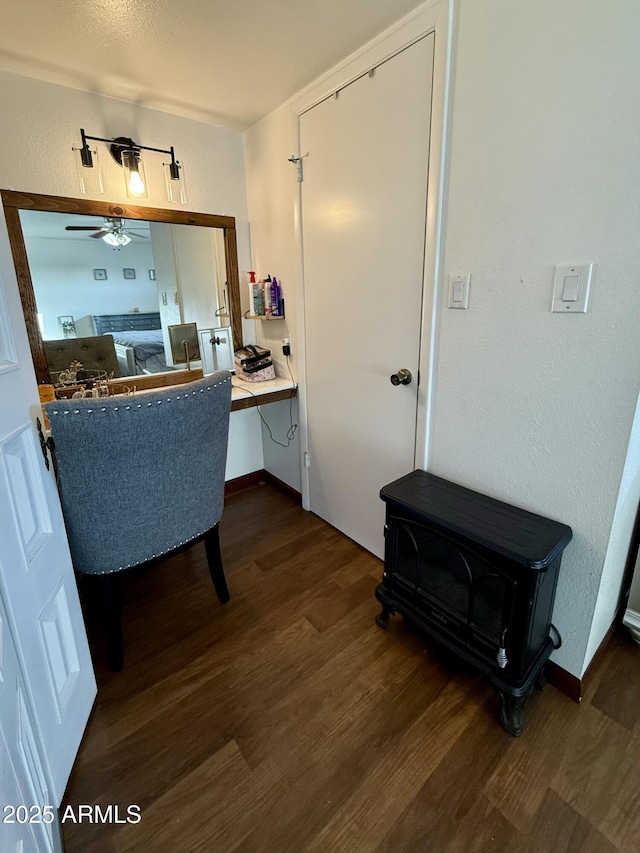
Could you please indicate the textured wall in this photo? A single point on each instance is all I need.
(272, 188)
(41, 122)
(533, 407)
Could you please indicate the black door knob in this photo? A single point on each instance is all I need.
(402, 377)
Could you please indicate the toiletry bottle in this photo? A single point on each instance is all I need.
(275, 297)
(267, 296)
(260, 298)
(252, 292)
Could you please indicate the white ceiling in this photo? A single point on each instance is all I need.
(228, 62)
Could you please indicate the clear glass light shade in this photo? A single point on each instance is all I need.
(116, 239)
(175, 186)
(89, 177)
(134, 174)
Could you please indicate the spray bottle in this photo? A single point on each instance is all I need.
(252, 292)
(267, 295)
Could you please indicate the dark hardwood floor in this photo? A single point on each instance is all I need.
(286, 720)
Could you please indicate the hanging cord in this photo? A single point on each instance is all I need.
(293, 427)
(558, 642)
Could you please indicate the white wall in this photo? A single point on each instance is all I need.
(272, 188)
(62, 275)
(531, 407)
(40, 123)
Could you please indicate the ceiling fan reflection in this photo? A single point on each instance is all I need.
(112, 232)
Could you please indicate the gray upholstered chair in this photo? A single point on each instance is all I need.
(94, 353)
(141, 477)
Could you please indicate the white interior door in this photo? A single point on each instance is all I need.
(36, 577)
(365, 154)
(28, 821)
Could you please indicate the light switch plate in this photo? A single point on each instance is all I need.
(459, 290)
(571, 289)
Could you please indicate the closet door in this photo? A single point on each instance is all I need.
(365, 153)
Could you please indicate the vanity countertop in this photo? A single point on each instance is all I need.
(244, 395)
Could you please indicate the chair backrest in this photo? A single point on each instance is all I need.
(95, 353)
(141, 475)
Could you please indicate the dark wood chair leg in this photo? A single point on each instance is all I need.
(113, 622)
(214, 558)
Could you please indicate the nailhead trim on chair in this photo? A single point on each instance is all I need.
(139, 405)
(153, 556)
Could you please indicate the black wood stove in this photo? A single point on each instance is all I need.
(477, 575)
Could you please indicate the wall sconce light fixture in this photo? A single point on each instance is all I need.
(127, 154)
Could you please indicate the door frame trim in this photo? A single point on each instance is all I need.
(437, 17)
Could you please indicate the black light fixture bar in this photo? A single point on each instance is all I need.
(123, 143)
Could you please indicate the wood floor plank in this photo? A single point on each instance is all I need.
(483, 829)
(618, 692)
(520, 781)
(180, 820)
(365, 818)
(556, 826)
(287, 778)
(326, 768)
(621, 819)
(286, 720)
(583, 777)
(364, 565)
(443, 803)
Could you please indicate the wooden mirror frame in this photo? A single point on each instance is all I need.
(14, 202)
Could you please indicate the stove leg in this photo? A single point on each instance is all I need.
(382, 619)
(512, 713)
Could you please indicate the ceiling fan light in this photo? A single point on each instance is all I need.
(117, 239)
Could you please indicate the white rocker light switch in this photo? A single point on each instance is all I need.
(459, 291)
(571, 289)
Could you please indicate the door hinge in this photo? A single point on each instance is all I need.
(46, 444)
(298, 162)
(307, 459)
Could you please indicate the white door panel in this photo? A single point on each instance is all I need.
(364, 193)
(36, 577)
(23, 782)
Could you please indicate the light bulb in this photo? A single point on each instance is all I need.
(134, 174)
(136, 184)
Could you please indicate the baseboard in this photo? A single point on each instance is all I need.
(570, 684)
(564, 681)
(240, 484)
(282, 487)
(258, 478)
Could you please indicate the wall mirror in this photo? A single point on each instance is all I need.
(87, 269)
